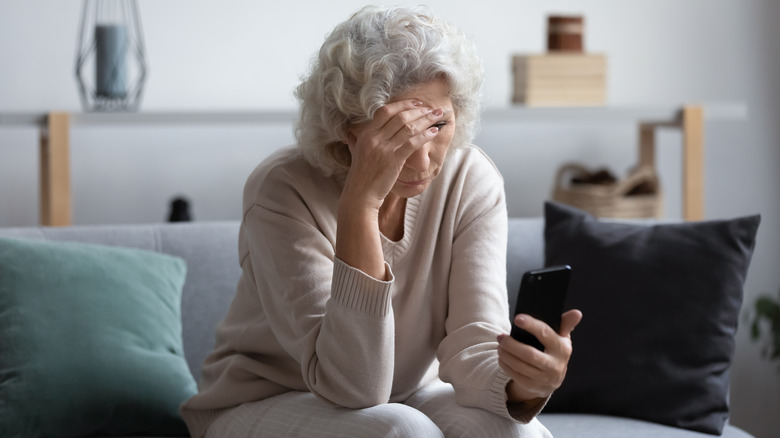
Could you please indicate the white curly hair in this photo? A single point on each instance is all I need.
(376, 54)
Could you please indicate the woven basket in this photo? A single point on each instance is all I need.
(612, 200)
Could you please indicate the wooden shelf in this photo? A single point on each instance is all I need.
(660, 115)
(156, 118)
(516, 113)
(55, 196)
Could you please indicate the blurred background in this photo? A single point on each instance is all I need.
(248, 55)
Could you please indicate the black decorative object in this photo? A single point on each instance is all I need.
(180, 210)
(111, 45)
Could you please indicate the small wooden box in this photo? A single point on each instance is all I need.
(565, 33)
(560, 79)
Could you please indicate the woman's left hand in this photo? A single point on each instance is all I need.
(536, 374)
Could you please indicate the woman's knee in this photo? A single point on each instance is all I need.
(477, 423)
(398, 420)
(304, 415)
(437, 402)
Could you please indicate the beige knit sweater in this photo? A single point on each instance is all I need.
(302, 320)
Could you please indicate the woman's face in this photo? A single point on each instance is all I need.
(425, 164)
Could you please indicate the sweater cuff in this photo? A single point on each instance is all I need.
(523, 412)
(354, 289)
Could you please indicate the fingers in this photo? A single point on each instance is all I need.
(558, 344)
(537, 373)
(569, 321)
(402, 124)
(409, 124)
(409, 130)
(387, 112)
(520, 358)
(543, 332)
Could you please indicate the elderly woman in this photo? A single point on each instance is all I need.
(373, 259)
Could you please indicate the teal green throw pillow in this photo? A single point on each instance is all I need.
(90, 341)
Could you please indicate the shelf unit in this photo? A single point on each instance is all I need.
(54, 128)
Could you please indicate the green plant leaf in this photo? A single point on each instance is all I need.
(775, 343)
(767, 316)
(767, 308)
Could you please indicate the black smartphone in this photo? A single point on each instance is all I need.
(542, 293)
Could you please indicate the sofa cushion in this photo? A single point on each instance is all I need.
(603, 426)
(90, 340)
(660, 309)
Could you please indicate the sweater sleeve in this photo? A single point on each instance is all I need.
(335, 320)
(478, 310)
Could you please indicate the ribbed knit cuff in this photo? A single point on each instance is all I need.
(521, 412)
(357, 290)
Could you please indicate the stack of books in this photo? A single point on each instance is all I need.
(560, 79)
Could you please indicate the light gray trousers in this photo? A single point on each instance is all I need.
(430, 412)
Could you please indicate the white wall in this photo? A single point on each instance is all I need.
(242, 54)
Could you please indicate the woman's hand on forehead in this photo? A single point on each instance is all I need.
(381, 146)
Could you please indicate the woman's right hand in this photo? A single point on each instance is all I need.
(379, 151)
(380, 148)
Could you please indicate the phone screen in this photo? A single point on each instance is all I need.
(542, 294)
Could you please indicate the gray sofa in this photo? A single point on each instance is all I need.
(212, 271)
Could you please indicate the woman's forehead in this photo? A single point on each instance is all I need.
(433, 94)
